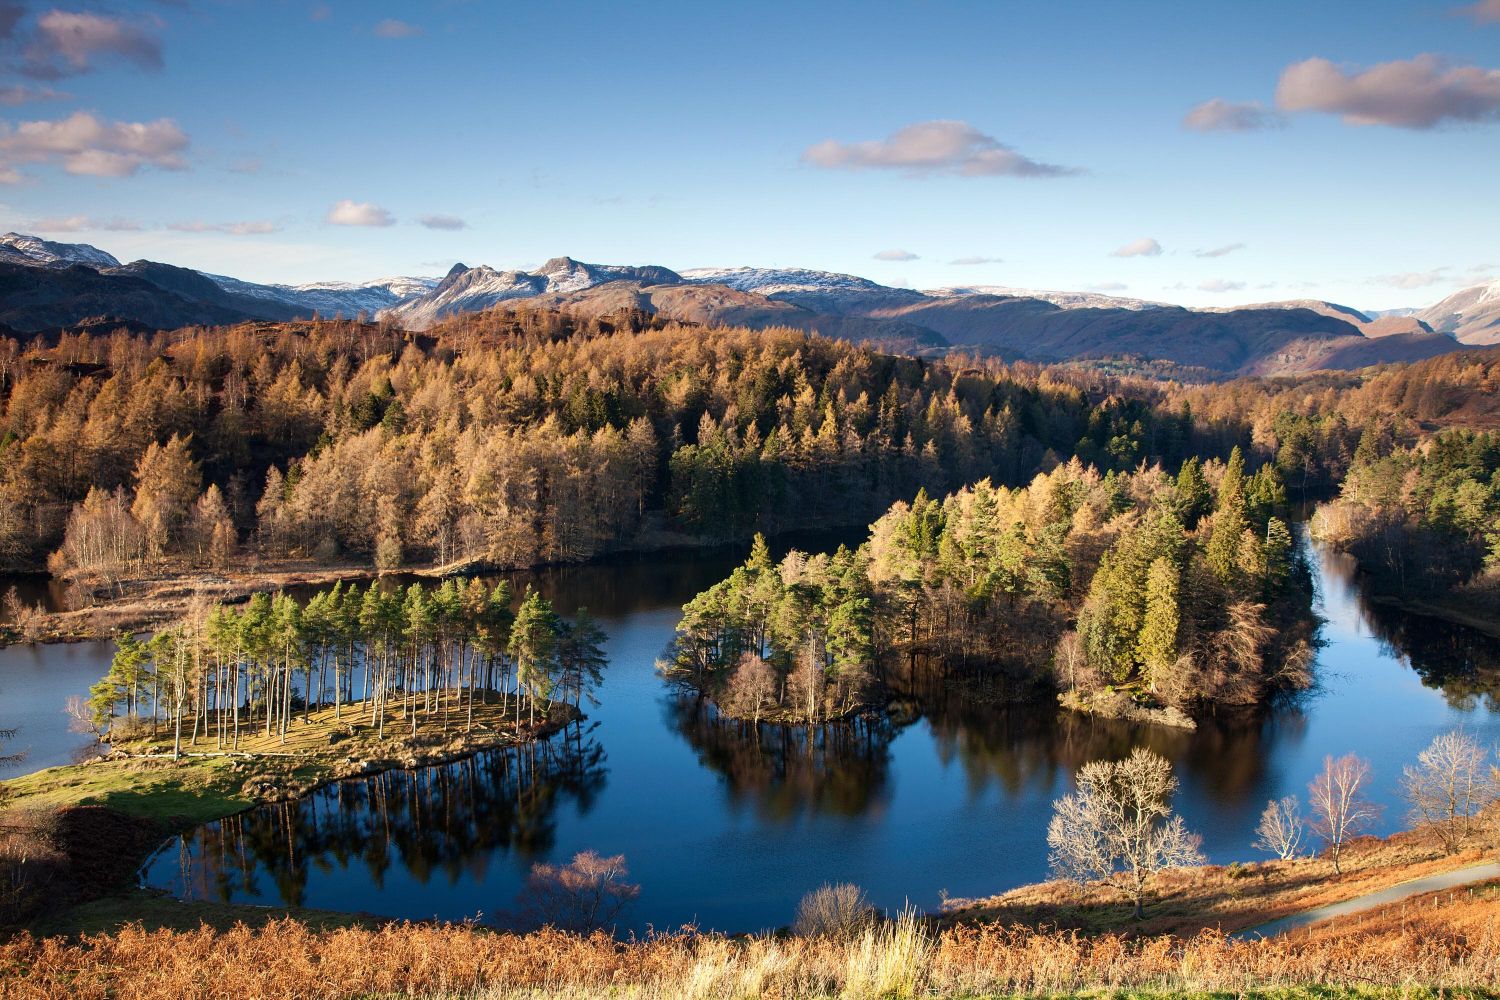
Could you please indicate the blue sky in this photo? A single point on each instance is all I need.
(225, 136)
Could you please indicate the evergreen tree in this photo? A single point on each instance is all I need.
(1157, 645)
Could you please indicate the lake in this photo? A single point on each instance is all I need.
(727, 828)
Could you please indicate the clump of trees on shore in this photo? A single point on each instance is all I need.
(1451, 785)
(1181, 589)
(1423, 520)
(372, 653)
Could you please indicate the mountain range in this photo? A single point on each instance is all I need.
(47, 286)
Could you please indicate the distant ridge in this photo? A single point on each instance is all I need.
(48, 286)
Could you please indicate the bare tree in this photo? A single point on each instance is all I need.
(806, 683)
(751, 688)
(1340, 809)
(1118, 827)
(1449, 786)
(586, 894)
(1281, 827)
(840, 910)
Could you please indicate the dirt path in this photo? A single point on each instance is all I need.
(1371, 900)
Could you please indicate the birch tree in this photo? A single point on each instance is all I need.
(1118, 827)
(1340, 808)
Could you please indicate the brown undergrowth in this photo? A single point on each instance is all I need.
(1453, 946)
(1233, 897)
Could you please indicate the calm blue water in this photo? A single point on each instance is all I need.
(727, 829)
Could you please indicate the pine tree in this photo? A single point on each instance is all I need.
(1229, 522)
(1157, 645)
(533, 647)
(1191, 495)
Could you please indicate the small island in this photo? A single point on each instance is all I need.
(1137, 595)
(233, 707)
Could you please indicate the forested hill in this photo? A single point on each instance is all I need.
(510, 439)
(524, 436)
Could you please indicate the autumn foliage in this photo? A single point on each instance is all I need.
(1455, 945)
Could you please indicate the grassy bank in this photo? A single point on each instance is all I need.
(140, 778)
(74, 837)
(1453, 947)
(1226, 898)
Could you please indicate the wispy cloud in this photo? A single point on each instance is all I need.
(1219, 115)
(86, 144)
(1418, 93)
(66, 43)
(1220, 285)
(935, 147)
(1413, 279)
(967, 261)
(1222, 251)
(392, 28)
(17, 94)
(359, 213)
(1144, 247)
(84, 224)
(1484, 12)
(446, 222)
(895, 255)
(252, 227)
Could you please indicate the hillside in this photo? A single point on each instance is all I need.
(51, 286)
(1471, 316)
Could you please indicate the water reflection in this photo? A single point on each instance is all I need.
(438, 825)
(781, 772)
(1463, 664)
(727, 825)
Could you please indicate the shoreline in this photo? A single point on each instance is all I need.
(138, 785)
(155, 598)
(1440, 610)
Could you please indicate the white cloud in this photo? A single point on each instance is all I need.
(1413, 279)
(1418, 93)
(359, 213)
(967, 261)
(84, 224)
(446, 222)
(895, 255)
(392, 28)
(935, 147)
(1219, 115)
(67, 42)
(1222, 251)
(85, 144)
(1144, 247)
(1220, 285)
(251, 227)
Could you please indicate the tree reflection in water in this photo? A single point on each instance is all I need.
(1462, 663)
(447, 822)
(783, 771)
(1025, 748)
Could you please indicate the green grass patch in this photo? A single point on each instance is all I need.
(157, 911)
(190, 791)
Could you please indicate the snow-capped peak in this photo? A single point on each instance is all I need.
(35, 250)
(1064, 300)
(816, 290)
